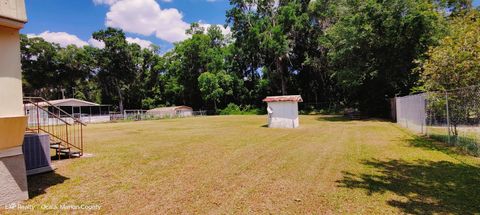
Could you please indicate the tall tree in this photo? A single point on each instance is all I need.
(455, 62)
(266, 31)
(373, 45)
(116, 65)
(215, 86)
(38, 68)
(454, 66)
(284, 39)
(49, 70)
(204, 52)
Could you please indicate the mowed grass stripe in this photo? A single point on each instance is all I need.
(235, 165)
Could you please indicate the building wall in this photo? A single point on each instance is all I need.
(13, 181)
(45, 120)
(13, 186)
(171, 113)
(163, 114)
(184, 113)
(284, 115)
(10, 73)
(13, 9)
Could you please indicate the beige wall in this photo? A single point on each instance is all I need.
(10, 73)
(13, 181)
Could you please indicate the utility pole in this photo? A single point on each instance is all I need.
(73, 92)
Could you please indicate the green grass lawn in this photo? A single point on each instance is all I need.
(234, 164)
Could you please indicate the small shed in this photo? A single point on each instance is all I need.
(283, 111)
(170, 112)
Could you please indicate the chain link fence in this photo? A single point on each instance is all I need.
(138, 115)
(452, 117)
(411, 112)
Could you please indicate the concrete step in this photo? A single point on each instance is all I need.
(74, 154)
(58, 146)
(52, 142)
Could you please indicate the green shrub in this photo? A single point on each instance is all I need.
(233, 109)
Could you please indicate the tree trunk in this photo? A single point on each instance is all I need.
(281, 70)
(120, 97)
(215, 105)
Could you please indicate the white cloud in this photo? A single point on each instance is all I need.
(62, 38)
(145, 44)
(146, 17)
(96, 43)
(225, 31)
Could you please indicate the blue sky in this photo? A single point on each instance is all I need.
(82, 17)
(161, 22)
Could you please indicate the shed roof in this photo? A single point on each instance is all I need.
(289, 98)
(167, 109)
(69, 102)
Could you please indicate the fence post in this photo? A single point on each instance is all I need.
(429, 120)
(424, 123)
(448, 116)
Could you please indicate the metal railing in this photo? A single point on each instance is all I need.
(66, 131)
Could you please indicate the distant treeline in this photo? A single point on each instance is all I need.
(353, 53)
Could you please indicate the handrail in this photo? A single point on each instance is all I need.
(50, 104)
(55, 122)
(61, 139)
(57, 117)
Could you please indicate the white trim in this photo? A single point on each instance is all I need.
(11, 23)
(12, 116)
(11, 152)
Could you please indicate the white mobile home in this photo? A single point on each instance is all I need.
(283, 111)
(85, 111)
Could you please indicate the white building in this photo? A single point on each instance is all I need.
(283, 111)
(171, 112)
(87, 112)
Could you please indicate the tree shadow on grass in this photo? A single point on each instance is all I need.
(427, 187)
(467, 145)
(334, 118)
(434, 143)
(342, 118)
(37, 184)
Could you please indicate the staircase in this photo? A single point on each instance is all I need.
(66, 131)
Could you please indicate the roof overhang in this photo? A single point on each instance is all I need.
(289, 98)
(69, 103)
(13, 14)
(11, 23)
